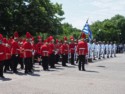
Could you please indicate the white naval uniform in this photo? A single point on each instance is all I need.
(97, 50)
(103, 50)
(114, 49)
(89, 50)
(93, 50)
(110, 49)
(107, 50)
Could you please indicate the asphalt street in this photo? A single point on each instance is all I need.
(105, 76)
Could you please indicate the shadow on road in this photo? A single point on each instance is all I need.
(59, 68)
(91, 71)
(36, 70)
(5, 79)
(71, 66)
(20, 73)
(102, 59)
(50, 70)
(8, 72)
(34, 74)
(102, 66)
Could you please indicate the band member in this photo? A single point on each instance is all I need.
(21, 57)
(2, 56)
(28, 49)
(81, 54)
(7, 61)
(51, 52)
(38, 46)
(57, 51)
(64, 51)
(72, 49)
(15, 52)
(45, 55)
(33, 50)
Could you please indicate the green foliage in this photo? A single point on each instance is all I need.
(30, 15)
(110, 29)
(68, 31)
(44, 17)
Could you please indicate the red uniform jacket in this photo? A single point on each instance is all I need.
(57, 47)
(8, 52)
(14, 48)
(10, 41)
(34, 49)
(27, 47)
(64, 49)
(51, 48)
(2, 52)
(38, 46)
(44, 50)
(21, 52)
(72, 48)
(81, 48)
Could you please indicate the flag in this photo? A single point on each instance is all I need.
(87, 30)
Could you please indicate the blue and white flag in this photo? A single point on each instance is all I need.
(87, 30)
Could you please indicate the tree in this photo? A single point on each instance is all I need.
(30, 15)
(110, 29)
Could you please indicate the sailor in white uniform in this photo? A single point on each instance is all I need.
(103, 49)
(93, 50)
(107, 49)
(114, 48)
(89, 50)
(96, 50)
(110, 49)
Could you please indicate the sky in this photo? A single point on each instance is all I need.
(78, 11)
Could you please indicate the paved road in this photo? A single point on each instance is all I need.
(102, 77)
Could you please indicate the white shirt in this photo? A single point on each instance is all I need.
(97, 47)
(102, 46)
(89, 46)
(93, 46)
(110, 46)
(114, 46)
(107, 46)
